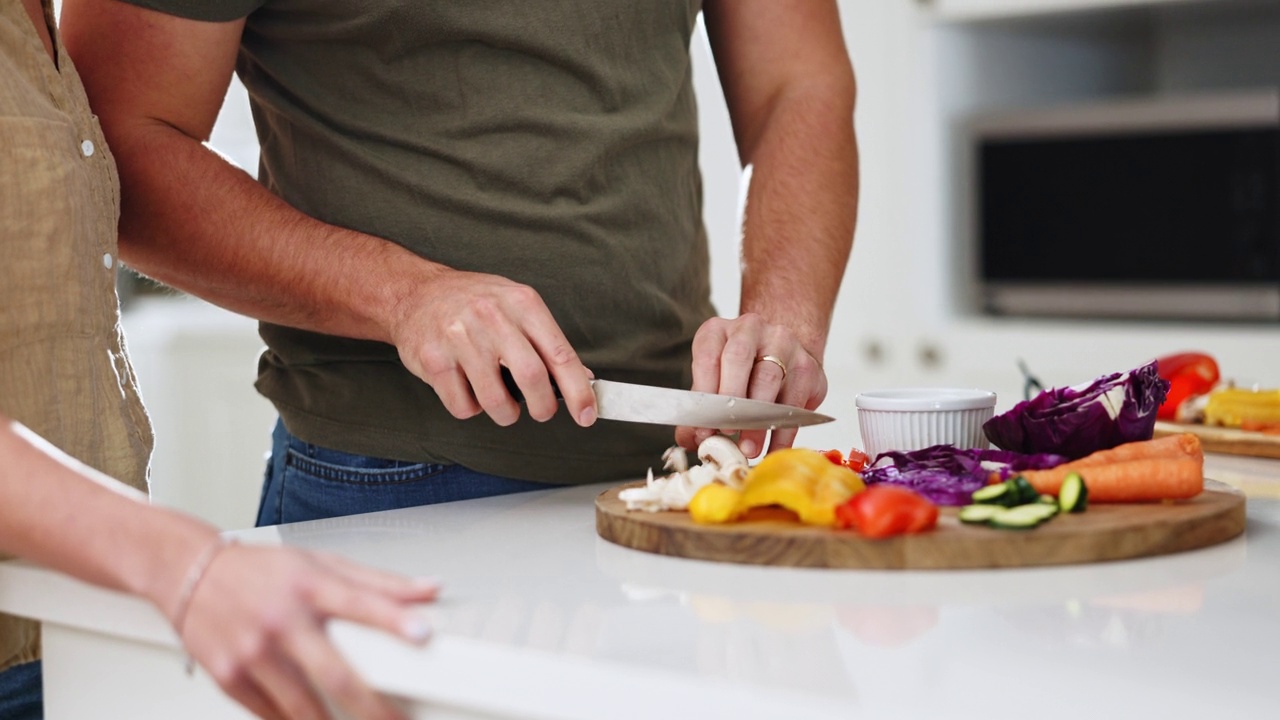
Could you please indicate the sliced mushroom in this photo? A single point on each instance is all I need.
(722, 452)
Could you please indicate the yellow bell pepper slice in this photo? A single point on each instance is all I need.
(715, 503)
(1235, 407)
(802, 481)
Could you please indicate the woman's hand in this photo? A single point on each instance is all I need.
(256, 622)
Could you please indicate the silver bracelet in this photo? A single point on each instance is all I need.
(195, 574)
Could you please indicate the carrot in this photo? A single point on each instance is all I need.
(1141, 480)
(1173, 446)
(1168, 468)
(1255, 426)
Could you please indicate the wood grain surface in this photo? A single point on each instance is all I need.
(1230, 441)
(1103, 532)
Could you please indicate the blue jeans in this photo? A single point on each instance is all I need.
(21, 694)
(308, 482)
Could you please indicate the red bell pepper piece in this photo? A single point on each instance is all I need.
(857, 460)
(1189, 374)
(885, 510)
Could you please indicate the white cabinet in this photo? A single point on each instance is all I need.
(986, 9)
(926, 68)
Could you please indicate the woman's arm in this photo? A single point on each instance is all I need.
(255, 616)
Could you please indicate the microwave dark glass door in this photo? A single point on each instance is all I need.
(1194, 208)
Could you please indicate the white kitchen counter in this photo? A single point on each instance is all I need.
(542, 619)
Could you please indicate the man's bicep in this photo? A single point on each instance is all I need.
(764, 47)
(144, 65)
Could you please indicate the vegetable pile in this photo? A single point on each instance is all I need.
(1098, 433)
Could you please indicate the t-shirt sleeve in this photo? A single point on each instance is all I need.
(220, 11)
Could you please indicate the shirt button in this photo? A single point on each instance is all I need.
(86, 147)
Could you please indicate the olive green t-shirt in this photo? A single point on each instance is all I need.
(553, 143)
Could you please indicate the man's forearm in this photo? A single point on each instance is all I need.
(801, 210)
(194, 221)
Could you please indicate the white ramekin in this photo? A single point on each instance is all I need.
(913, 418)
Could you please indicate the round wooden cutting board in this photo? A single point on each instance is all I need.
(1103, 532)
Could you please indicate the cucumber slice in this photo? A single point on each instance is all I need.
(978, 514)
(1022, 517)
(1026, 493)
(1048, 500)
(1074, 495)
(1004, 494)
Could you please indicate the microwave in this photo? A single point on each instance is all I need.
(1152, 209)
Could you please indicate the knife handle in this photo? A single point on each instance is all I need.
(510, 382)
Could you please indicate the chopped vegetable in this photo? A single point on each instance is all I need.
(1002, 494)
(1076, 421)
(1025, 493)
(1234, 407)
(1074, 496)
(1189, 374)
(715, 503)
(885, 511)
(802, 481)
(978, 514)
(1022, 517)
(948, 476)
(1165, 469)
(857, 460)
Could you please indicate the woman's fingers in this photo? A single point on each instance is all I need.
(327, 670)
(284, 684)
(341, 599)
(248, 694)
(399, 587)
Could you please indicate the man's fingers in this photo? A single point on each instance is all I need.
(328, 671)
(766, 384)
(566, 368)
(455, 393)
(532, 377)
(708, 346)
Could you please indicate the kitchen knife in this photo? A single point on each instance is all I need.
(668, 406)
(628, 402)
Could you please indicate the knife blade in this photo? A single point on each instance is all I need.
(667, 406)
(629, 402)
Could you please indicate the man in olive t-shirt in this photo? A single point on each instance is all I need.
(447, 189)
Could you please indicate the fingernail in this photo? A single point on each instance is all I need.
(587, 417)
(749, 448)
(416, 630)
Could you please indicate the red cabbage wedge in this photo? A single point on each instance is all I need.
(1077, 421)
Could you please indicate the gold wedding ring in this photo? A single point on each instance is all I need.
(776, 361)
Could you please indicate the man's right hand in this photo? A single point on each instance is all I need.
(193, 221)
(458, 330)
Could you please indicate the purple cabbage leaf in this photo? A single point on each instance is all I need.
(1078, 421)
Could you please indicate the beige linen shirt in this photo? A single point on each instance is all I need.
(63, 369)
